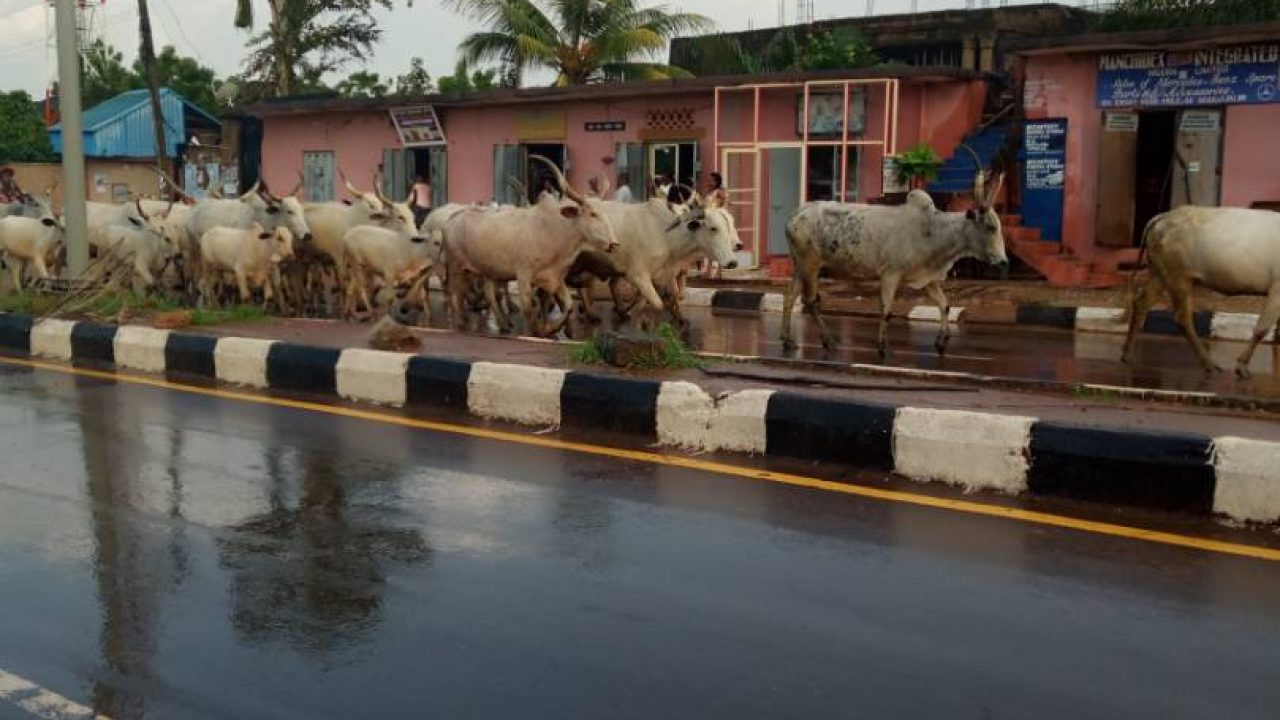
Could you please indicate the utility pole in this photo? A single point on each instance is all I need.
(147, 54)
(73, 179)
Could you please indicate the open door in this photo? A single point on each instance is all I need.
(439, 176)
(1117, 179)
(784, 195)
(1197, 176)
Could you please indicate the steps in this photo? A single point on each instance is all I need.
(1059, 268)
(957, 171)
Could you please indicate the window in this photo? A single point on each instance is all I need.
(317, 173)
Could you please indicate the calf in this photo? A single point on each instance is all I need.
(384, 255)
(250, 254)
(1229, 250)
(28, 240)
(147, 250)
(912, 243)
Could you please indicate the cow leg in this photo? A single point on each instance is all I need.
(528, 304)
(1139, 308)
(499, 312)
(564, 299)
(788, 306)
(1268, 319)
(15, 268)
(456, 285)
(935, 293)
(647, 292)
(242, 282)
(888, 291)
(1180, 295)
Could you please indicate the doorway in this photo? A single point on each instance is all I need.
(784, 194)
(825, 177)
(537, 176)
(1157, 135)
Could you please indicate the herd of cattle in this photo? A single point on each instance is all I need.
(366, 256)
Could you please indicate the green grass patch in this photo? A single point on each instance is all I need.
(28, 303)
(236, 313)
(669, 352)
(587, 353)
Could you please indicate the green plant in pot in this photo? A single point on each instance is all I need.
(918, 166)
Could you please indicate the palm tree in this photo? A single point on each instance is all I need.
(582, 41)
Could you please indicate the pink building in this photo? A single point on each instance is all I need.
(1150, 120)
(475, 147)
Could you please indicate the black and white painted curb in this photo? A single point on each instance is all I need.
(1233, 477)
(1216, 325)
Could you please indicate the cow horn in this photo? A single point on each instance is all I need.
(302, 183)
(990, 200)
(137, 203)
(565, 187)
(168, 181)
(347, 184)
(377, 189)
(980, 186)
(257, 186)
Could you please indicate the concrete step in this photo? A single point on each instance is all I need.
(1027, 234)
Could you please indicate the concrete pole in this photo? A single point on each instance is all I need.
(73, 177)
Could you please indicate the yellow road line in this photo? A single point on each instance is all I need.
(690, 463)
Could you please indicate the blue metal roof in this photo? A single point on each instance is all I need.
(121, 127)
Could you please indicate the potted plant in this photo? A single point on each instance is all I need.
(918, 166)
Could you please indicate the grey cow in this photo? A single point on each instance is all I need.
(914, 243)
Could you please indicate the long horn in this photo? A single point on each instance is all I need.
(377, 189)
(522, 192)
(565, 187)
(302, 182)
(168, 181)
(137, 203)
(347, 184)
(257, 187)
(990, 200)
(980, 186)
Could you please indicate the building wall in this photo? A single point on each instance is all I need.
(138, 177)
(1062, 86)
(356, 139)
(1250, 155)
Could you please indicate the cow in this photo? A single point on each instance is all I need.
(147, 250)
(656, 240)
(30, 207)
(1233, 251)
(913, 243)
(29, 240)
(250, 254)
(385, 255)
(258, 206)
(535, 246)
(101, 216)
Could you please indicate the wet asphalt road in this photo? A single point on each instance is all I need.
(168, 555)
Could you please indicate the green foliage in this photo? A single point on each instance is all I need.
(305, 41)
(587, 353)
(417, 81)
(671, 353)
(799, 51)
(582, 41)
(362, 84)
(23, 137)
(465, 79)
(104, 75)
(920, 163)
(1149, 14)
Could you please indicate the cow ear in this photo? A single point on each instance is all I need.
(264, 236)
(570, 211)
(695, 226)
(972, 214)
(135, 221)
(49, 222)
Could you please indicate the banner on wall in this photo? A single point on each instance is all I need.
(1244, 74)
(418, 126)
(1044, 176)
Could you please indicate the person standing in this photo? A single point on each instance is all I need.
(420, 199)
(9, 190)
(623, 193)
(717, 196)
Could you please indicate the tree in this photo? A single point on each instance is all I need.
(464, 79)
(1147, 14)
(23, 137)
(582, 41)
(307, 39)
(417, 81)
(103, 74)
(362, 84)
(187, 77)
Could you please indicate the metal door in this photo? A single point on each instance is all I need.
(508, 169)
(1197, 171)
(397, 173)
(784, 194)
(1117, 179)
(317, 173)
(439, 176)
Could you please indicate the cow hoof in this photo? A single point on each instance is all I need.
(941, 347)
(1242, 372)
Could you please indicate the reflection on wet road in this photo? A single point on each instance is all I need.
(171, 555)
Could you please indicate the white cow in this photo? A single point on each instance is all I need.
(255, 206)
(250, 254)
(534, 246)
(100, 217)
(147, 250)
(656, 241)
(29, 240)
(1229, 250)
(912, 243)
(383, 255)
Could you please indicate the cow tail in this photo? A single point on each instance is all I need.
(1131, 290)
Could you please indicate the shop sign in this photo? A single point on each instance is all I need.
(605, 125)
(418, 126)
(1245, 74)
(1044, 168)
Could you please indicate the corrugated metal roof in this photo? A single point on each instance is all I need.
(121, 127)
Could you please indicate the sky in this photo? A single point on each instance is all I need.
(203, 29)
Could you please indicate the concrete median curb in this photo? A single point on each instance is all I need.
(1018, 455)
(1215, 325)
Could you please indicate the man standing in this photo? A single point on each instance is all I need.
(623, 193)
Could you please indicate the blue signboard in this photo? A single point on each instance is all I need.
(1044, 176)
(1246, 74)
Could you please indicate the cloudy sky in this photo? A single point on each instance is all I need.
(203, 29)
